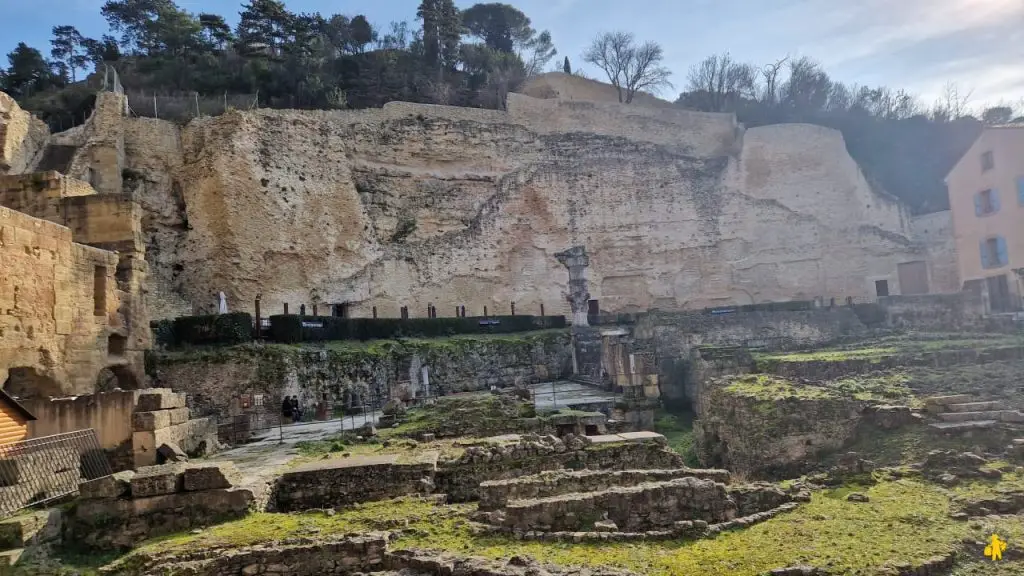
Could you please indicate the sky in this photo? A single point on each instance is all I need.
(918, 45)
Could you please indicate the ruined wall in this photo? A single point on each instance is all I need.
(417, 204)
(935, 232)
(22, 137)
(59, 306)
(108, 413)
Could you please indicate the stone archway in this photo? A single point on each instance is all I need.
(24, 382)
(116, 376)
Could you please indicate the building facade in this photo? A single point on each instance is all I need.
(986, 197)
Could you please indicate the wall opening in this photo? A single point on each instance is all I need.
(114, 377)
(343, 310)
(116, 345)
(99, 290)
(24, 382)
(881, 288)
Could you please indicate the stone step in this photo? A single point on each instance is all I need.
(963, 426)
(947, 400)
(975, 406)
(997, 415)
(10, 557)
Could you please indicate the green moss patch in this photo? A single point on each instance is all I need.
(677, 428)
(878, 388)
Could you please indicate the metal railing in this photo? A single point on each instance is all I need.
(40, 470)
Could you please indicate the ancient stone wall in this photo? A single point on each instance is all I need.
(60, 310)
(108, 413)
(22, 137)
(404, 215)
(213, 378)
(935, 232)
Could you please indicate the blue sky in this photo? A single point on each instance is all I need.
(919, 45)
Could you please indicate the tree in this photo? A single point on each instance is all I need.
(997, 115)
(216, 31)
(100, 51)
(770, 74)
(566, 67)
(537, 52)
(441, 33)
(718, 82)
(28, 72)
(134, 20)
(500, 26)
(808, 86)
(264, 22)
(629, 67)
(68, 50)
(952, 105)
(361, 32)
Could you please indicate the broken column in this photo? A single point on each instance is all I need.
(586, 357)
(163, 431)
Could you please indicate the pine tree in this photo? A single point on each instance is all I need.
(566, 67)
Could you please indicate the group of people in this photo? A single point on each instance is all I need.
(290, 409)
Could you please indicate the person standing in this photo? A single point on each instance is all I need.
(287, 410)
(296, 412)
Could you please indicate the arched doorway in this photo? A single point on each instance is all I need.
(117, 376)
(24, 382)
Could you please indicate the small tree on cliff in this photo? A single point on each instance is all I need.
(566, 67)
(629, 67)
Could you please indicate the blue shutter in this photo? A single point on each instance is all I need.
(994, 195)
(977, 204)
(984, 255)
(1002, 255)
(1020, 190)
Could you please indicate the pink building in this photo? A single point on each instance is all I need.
(986, 197)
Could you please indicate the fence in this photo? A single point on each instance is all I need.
(41, 470)
(186, 106)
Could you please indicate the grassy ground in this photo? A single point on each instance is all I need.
(896, 345)
(905, 521)
(678, 430)
(889, 387)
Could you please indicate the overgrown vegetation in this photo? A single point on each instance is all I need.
(677, 428)
(879, 387)
(905, 521)
(895, 345)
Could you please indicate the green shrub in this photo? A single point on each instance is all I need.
(163, 333)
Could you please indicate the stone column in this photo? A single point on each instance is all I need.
(576, 260)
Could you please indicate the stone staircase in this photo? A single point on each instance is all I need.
(963, 412)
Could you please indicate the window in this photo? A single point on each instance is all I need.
(988, 161)
(1020, 190)
(994, 253)
(881, 288)
(986, 202)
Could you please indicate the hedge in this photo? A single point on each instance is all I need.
(163, 333)
(229, 328)
(291, 328)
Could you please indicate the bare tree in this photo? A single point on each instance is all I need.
(630, 68)
(952, 104)
(808, 86)
(717, 82)
(770, 74)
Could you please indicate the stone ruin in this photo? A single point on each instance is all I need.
(627, 505)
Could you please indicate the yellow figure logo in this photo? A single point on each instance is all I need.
(995, 548)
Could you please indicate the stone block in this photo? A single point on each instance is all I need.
(114, 486)
(157, 480)
(171, 452)
(144, 421)
(190, 436)
(159, 399)
(211, 476)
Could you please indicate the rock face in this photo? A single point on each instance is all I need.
(22, 136)
(417, 204)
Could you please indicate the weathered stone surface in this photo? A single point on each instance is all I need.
(114, 486)
(157, 480)
(22, 137)
(171, 452)
(211, 476)
(197, 436)
(160, 399)
(857, 497)
(148, 421)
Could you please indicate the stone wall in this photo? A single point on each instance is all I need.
(118, 512)
(213, 377)
(108, 413)
(771, 437)
(344, 482)
(935, 232)
(731, 216)
(934, 312)
(632, 508)
(60, 308)
(497, 493)
(22, 137)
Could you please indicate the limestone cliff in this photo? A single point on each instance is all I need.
(416, 204)
(22, 137)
